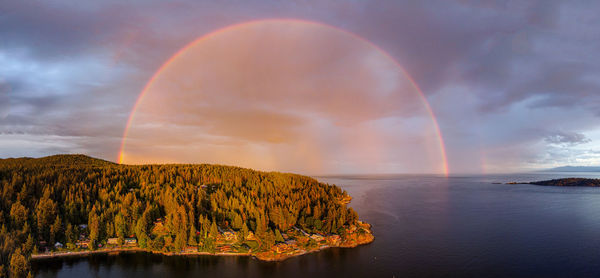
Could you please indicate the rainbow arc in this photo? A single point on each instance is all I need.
(169, 62)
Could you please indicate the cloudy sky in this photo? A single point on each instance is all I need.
(515, 85)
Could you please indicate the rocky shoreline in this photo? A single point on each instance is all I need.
(360, 236)
(355, 240)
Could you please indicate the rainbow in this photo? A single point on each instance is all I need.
(441, 145)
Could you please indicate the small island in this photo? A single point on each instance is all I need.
(75, 205)
(583, 182)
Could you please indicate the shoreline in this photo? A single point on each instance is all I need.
(266, 256)
(117, 251)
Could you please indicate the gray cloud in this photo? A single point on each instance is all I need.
(567, 138)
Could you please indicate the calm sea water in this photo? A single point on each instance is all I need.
(425, 226)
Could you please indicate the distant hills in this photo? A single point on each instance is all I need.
(70, 160)
(569, 182)
(574, 169)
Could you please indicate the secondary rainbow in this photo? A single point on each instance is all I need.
(441, 145)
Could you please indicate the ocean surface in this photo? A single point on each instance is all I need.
(424, 226)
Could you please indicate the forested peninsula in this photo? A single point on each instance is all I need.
(569, 182)
(74, 204)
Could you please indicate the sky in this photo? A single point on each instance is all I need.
(514, 85)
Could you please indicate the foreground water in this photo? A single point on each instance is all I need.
(425, 226)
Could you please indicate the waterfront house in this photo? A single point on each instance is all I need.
(131, 241)
(224, 248)
(250, 236)
(229, 235)
(82, 244)
(190, 249)
(334, 240)
(282, 248)
(317, 237)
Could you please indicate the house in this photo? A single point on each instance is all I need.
(224, 248)
(190, 249)
(82, 244)
(302, 240)
(112, 241)
(159, 228)
(229, 235)
(334, 240)
(58, 245)
(250, 236)
(131, 241)
(317, 237)
(282, 248)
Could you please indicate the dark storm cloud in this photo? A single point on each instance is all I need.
(544, 58)
(75, 69)
(55, 30)
(567, 138)
(504, 53)
(432, 39)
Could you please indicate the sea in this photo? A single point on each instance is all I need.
(424, 226)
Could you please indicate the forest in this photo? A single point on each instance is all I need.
(569, 182)
(61, 199)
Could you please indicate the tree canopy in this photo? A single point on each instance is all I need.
(47, 200)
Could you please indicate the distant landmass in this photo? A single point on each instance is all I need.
(574, 169)
(72, 205)
(565, 182)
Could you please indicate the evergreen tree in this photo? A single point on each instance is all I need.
(56, 230)
(18, 264)
(278, 236)
(213, 230)
(237, 222)
(94, 227)
(243, 233)
(120, 228)
(193, 238)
